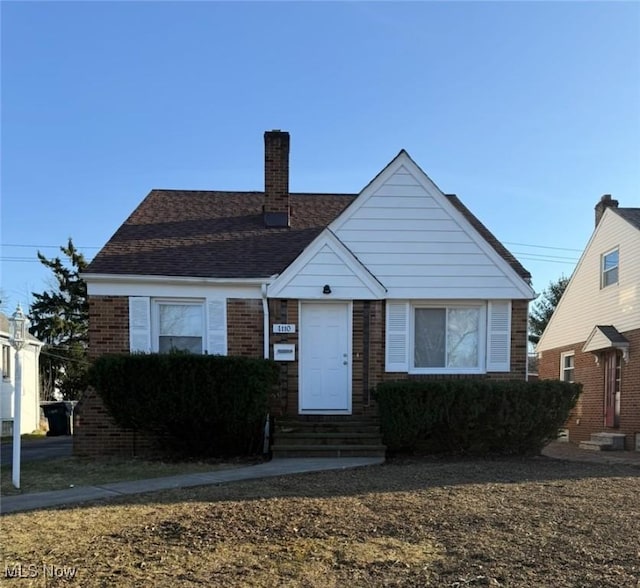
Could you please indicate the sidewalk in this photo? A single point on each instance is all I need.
(275, 467)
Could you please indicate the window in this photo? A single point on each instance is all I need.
(197, 325)
(610, 268)
(180, 327)
(6, 362)
(567, 366)
(457, 337)
(448, 339)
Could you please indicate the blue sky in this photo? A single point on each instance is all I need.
(528, 111)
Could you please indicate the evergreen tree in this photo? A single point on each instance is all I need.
(60, 319)
(543, 308)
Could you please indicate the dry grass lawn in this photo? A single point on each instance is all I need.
(533, 522)
(64, 472)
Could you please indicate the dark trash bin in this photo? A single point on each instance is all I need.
(59, 415)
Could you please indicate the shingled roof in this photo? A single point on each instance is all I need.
(213, 235)
(631, 215)
(209, 234)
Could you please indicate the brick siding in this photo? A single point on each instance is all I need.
(245, 327)
(368, 362)
(97, 434)
(108, 325)
(588, 415)
(276, 171)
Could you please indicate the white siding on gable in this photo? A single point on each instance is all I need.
(327, 268)
(418, 245)
(585, 303)
(326, 262)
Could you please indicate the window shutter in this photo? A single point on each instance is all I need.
(499, 336)
(397, 337)
(139, 324)
(216, 327)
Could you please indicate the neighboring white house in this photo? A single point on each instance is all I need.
(593, 336)
(30, 408)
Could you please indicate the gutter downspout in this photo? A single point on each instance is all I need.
(265, 319)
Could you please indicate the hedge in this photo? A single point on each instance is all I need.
(473, 416)
(196, 406)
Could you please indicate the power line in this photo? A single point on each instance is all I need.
(69, 359)
(541, 246)
(548, 260)
(45, 246)
(23, 245)
(547, 257)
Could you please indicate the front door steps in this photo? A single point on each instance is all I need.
(604, 442)
(327, 437)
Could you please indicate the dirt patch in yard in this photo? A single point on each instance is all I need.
(533, 522)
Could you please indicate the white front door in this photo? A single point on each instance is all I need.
(325, 350)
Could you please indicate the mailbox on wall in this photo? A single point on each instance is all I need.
(284, 352)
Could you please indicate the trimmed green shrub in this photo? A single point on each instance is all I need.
(195, 405)
(473, 416)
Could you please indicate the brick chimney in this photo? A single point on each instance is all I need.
(276, 179)
(605, 202)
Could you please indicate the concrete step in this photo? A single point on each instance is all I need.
(615, 440)
(328, 427)
(594, 445)
(328, 438)
(293, 450)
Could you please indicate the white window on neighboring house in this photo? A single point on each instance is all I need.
(448, 338)
(180, 327)
(609, 273)
(6, 362)
(567, 366)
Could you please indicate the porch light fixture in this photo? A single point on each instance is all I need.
(18, 324)
(326, 289)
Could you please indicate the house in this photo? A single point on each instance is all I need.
(593, 336)
(345, 290)
(30, 406)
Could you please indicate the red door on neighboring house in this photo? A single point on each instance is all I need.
(612, 389)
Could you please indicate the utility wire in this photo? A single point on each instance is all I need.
(45, 246)
(541, 246)
(72, 360)
(97, 247)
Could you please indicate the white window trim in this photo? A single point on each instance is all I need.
(616, 267)
(155, 318)
(563, 369)
(482, 337)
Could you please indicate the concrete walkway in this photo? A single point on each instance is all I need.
(571, 452)
(275, 467)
